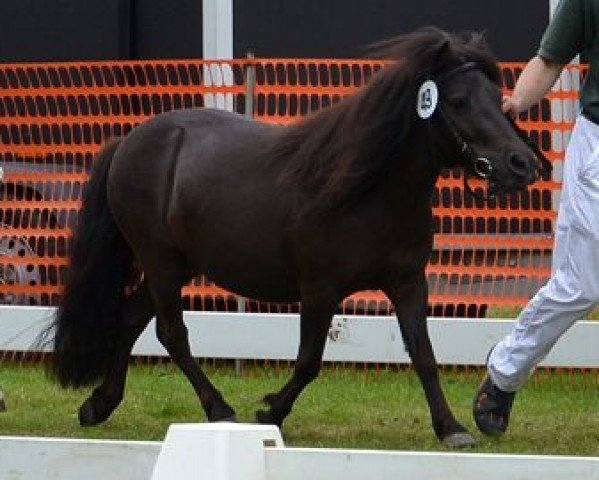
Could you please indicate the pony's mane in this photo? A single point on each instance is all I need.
(340, 153)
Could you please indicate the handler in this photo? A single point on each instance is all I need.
(573, 289)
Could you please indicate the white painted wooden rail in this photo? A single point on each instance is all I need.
(23, 458)
(351, 338)
(227, 451)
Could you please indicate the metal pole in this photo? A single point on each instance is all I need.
(238, 361)
(250, 75)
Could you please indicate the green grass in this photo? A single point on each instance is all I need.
(345, 408)
(499, 311)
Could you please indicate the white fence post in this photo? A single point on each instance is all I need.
(215, 451)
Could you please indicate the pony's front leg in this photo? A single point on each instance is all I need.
(136, 313)
(410, 301)
(315, 320)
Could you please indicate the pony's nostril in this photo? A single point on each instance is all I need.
(519, 164)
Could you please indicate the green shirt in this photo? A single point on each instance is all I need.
(573, 30)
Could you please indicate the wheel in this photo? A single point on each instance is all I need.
(16, 273)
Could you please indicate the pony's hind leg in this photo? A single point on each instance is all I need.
(314, 325)
(410, 301)
(135, 315)
(2, 401)
(172, 333)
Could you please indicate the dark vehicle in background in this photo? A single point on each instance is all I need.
(33, 227)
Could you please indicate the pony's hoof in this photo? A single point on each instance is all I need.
(266, 418)
(459, 440)
(263, 417)
(87, 415)
(221, 413)
(231, 419)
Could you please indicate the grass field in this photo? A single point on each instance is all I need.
(349, 408)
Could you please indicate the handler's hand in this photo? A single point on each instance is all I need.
(511, 106)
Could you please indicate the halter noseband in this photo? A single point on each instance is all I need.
(482, 166)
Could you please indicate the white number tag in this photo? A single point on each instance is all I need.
(428, 97)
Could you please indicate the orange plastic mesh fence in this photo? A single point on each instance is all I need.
(55, 116)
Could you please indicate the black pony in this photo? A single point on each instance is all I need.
(333, 204)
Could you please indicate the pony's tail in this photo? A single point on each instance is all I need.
(86, 323)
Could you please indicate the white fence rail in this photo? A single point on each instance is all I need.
(23, 458)
(351, 338)
(254, 452)
(314, 464)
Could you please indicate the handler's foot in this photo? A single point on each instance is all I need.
(2, 402)
(491, 408)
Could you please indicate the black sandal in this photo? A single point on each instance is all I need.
(492, 407)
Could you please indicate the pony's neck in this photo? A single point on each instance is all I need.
(344, 153)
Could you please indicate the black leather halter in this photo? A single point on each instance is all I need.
(482, 166)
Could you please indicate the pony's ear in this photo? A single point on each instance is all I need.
(442, 51)
(479, 41)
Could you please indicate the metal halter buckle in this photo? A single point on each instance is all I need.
(483, 167)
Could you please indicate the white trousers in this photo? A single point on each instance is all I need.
(573, 289)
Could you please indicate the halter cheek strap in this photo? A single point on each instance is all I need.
(482, 166)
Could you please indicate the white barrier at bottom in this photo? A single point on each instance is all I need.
(254, 452)
(251, 452)
(315, 464)
(23, 458)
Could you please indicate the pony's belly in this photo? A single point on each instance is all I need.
(267, 291)
(256, 280)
